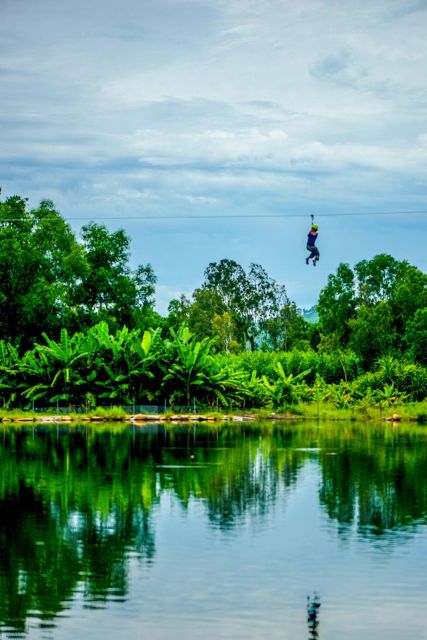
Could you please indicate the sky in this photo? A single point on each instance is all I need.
(258, 113)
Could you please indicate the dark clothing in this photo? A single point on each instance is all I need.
(311, 238)
(314, 251)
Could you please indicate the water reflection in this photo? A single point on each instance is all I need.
(77, 503)
(377, 480)
(313, 606)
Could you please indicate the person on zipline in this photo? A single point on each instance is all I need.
(311, 245)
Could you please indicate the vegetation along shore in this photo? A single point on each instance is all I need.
(79, 334)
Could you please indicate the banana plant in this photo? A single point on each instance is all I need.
(34, 375)
(367, 399)
(142, 358)
(108, 363)
(227, 385)
(284, 390)
(58, 362)
(318, 392)
(389, 395)
(255, 391)
(189, 368)
(342, 395)
(127, 364)
(412, 379)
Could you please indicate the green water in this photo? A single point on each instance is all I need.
(228, 531)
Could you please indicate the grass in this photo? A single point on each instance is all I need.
(413, 411)
(107, 413)
(17, 414)
(408, 411)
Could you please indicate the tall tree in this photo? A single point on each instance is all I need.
(41, 264)
(377, 278)
(109, 289)
(206, 305)
(371, 308)
(337, 304)
(409, 296)
(178, 312)
(373, 332)
(287, 329)
(251, 298)
(416, 336)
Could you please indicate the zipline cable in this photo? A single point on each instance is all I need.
(230, 216)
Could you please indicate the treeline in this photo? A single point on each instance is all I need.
(89, 369)
(81, 294)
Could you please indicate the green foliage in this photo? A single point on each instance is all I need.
(187, 365)
(78, 328)
(109, 290)
(109, 413)
(332, 367)
(41, 263)
(253, 300)
(9, 368)
(416, 336)
(133, 366)
(284, 390)
(408, 379)
(372, 332)
(377, 278)
(191, 371)
(51, 281)
(374, 308)
(337, 303)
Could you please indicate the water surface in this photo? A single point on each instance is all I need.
(228, 531)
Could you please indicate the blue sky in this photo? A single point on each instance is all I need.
(222, 108)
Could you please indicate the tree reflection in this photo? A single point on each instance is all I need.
(72, 505)
(237, 472)
(376, 480)
(75, 502)
(38, 568)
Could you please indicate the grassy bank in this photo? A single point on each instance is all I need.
(409, 411)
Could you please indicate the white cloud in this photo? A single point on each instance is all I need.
(198, 200)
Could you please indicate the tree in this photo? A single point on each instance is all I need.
(409, 296)
(382, 290)
(377, 278)
(416, 336)
(224, 328)
(178, 312)
(51, 281)
(287, 330)
(372, 332)
(265, 299)
(337, 304)
(251, 298)
(41, 264)
(206, 305)
(109, 289)
(228, 279)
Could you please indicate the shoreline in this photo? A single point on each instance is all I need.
(142, 419)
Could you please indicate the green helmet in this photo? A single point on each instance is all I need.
(314, 227)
